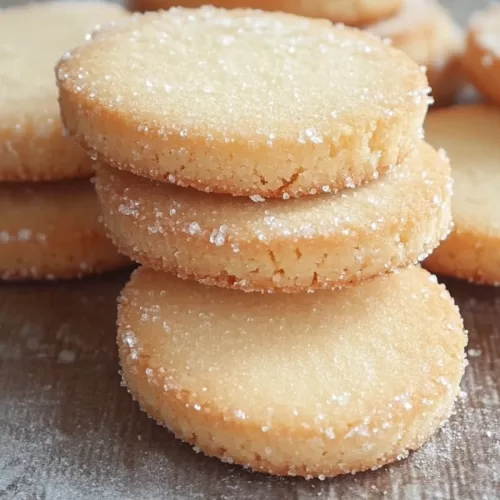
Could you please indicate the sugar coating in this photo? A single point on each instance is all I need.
(482, 55)
(352, 12)
(425, 31)
(273, 382)
(33, 145)
(224, 101)
(51, 230)
(325, 241)
(470, 136)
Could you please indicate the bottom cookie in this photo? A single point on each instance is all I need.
(51, 230)
(312, 385)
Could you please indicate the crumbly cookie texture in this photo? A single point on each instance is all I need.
(224, 101)
(325, 241)
(482, 55)
(470, 136)
(426, 32)
(51, 230)
(33, 37)
(352, 12)
(311, 385)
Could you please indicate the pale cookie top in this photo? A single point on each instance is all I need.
(268, 97)
(485, 26)
(32, 39)
(318, 361)
(470, 135)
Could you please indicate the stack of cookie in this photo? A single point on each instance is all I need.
(48, 209)
(272, 153)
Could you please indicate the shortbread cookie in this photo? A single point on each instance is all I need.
(243, 102)
(426, 32)
(32, 39)
(325, 241)
(470, 134)
(310, 385)
(482, 56)
(353, 12)
(51, 230)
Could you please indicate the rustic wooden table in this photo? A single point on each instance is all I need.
(69, 431)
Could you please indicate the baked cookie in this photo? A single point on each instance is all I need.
(426, 32)
(482, 56)
(325, 241)
(311, 385)
(231, 106)
(470, 135)
(51, 230)
(32, 39)
(353, 12)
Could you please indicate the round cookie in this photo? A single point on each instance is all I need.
(311, 385)
(325, 241)
(482, 55)
(231, 107)
(33, 37)
(470, 136)
(353, 12)
(426, 32)
(51, 230)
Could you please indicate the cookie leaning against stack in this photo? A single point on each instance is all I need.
(244, 106)
(47, 229)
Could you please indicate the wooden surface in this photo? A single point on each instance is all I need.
(69, 431)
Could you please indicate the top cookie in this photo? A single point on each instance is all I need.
(32, 39)
(353, 12)
(243, 102)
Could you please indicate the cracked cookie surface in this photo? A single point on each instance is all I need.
(224, 101)
(312, 385)
(325, 241)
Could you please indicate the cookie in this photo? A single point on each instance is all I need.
(470, 135)
(306, 384)
(482, 55)
(426, 32)
(51, 230)
(231, 106)
(353, 12)
(325, 241)
(33, 37)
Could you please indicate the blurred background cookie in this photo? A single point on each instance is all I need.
(232, 106)
(427, 33)
(482, 56)
(353, 12)
(33, 145)
(470, 135)
(305, 384)
(51, 230)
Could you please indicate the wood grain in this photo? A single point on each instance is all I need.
(69, 431)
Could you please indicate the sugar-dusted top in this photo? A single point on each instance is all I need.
(208, 77)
